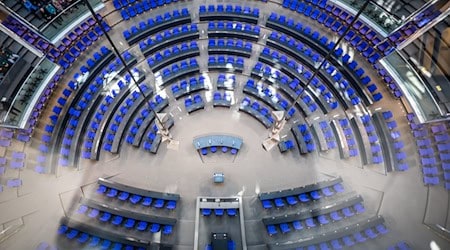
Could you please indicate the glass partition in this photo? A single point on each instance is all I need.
(67, 18)
(28, 95)
(417, 93)
(378, 15)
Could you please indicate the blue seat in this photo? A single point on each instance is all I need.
(155, 227)
(266, 204)
(123, 196)
(231, 212)
(271, 230)
(159, 203)
(219, 211)
(147, 201)
(167, 229)
(297, 225)
(129, 223)
(117, 220)
(105, 217)
(206, 211)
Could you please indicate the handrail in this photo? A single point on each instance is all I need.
(24, 22)
(10, 11)
(59, 14)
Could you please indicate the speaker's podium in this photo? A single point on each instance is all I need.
(219, 241)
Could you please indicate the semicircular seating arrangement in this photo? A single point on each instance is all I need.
(261, 58)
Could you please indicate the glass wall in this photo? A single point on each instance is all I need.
(430, 57)
(28, 95)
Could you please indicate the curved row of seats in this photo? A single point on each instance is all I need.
(349, 137)
(157, 24)
(268, 96)
(122, 119)
(168, 38)
(185, 88)
(92, 241)
(366, 43)
(120, 221)
(119, 4)
(302, 197)
(291, 88)
(332, 74)
(297, 70)
(143, 121)
(219, 211)
(377, 156)
(433, 143)
(136, 199)
(92, 83)
(230, 46)
(311, 222)
(234, 29)
(298, 31)
(303, 138)
(173, 55)
(178, 70)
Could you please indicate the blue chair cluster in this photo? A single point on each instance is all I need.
(222, 10)
(269, 96)
(140, 7)
(152, 140)
(334, 18)
(397, 143)
(159, 23)
(230, 46)
(178, 70)
(227, 82)
(292, 47)
(144, 114)
(299, 31)
(219, 211)
(77, 41)
(168, 37)
(312, 222)
(92, 241)
(184, 87)
(295, 69)
(377, 154)
(285, 146)
(392, 85)
(99, 116)
(432, 140)
(292, 200)
(234, 29)
(221, 100)
(349, 137)
(363, 79)
(230, 63)
(351, 239)
(142, 121)
(119, 118)
(400, 246)
(304, 138)
(291, 88)
(143, 4)
(137, 199)
(328, 134)
(120, 221)
(193, 104)
(40, 105)
(259, 112)
(75, 113)
(162, 59)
